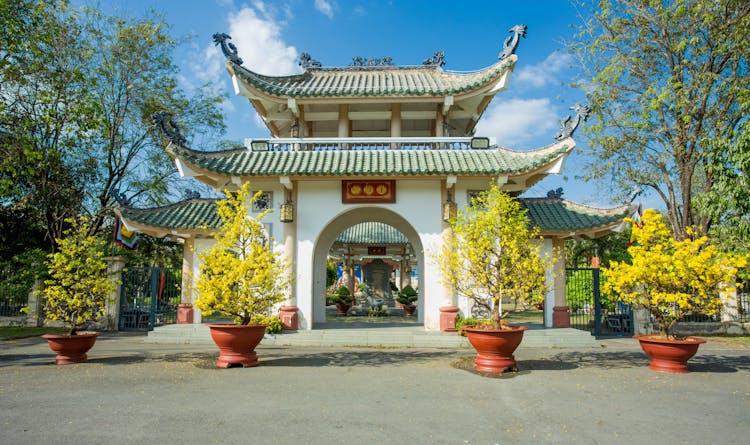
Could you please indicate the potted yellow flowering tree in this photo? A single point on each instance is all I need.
(240, 276)
(77, 291)
(493, 254)
(671, 279)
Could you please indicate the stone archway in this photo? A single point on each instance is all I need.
(342, 222)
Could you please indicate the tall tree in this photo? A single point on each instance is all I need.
(43, 111)
(77, 92)
(133, 77)
(665, 80)
(728, 201)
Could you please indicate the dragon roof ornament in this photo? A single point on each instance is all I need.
(437, 59)
(511, 43)
(228, 48)
(164, 120)
(568, 125)
(306, 61)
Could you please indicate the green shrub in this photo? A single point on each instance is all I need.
(407, 295)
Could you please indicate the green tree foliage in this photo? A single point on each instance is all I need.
(728, 201)
(493, 254)
(666, 79)
(612, 247)
(77, 91)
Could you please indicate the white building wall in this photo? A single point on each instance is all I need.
(319, 204)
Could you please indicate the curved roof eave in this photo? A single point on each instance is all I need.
(216, 168)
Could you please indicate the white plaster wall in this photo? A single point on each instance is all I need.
(200, 245)
(319, 205)
(549, 299)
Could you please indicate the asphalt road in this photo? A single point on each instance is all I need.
(131, 392)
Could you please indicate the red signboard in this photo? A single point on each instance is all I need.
(368, 191)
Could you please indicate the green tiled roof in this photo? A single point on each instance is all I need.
(372, 233)
(558, 215)
(185, 215)
(242, 162)
(549, 214)
(373, 81)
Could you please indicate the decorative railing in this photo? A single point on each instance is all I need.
(384, 143)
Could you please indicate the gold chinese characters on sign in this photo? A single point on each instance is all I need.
(368, 191)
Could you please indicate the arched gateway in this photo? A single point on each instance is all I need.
(371, 142)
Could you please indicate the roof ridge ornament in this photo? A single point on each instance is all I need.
(568, 125)
(437, 59)
(191, 194)
(306, 61)
(164, 118)
(361, 61)
(511, 43)
(228, 48)
(555, 193)
(119, 197)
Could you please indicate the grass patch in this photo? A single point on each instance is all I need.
(532, 316)
(9, 332)
(743, 341)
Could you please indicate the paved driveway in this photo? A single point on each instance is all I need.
(131, 392)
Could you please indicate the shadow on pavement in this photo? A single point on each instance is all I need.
(357, 358)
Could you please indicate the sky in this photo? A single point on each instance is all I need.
(270, 35)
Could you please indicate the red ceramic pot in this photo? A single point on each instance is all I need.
(669, 355)
(71, 348)
(495, 347)
(237, 343)
(409, 309)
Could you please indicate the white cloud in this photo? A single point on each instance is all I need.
(324, 7)
(518, 121)
(257, 36)
(544, 73)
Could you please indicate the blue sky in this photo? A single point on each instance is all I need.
(270, 36)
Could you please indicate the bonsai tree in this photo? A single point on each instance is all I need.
(493, 254)
(342, 296)
(671, 279)
(241, 275)
(407, 295)
(79, 286)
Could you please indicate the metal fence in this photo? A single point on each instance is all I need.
(592, 311)
(149, 297)
(743, 307)
(14, 294)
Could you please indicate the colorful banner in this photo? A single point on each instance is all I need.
(124, 237)
(637, 223)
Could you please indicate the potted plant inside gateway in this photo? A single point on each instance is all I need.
(671, 279)
(407, 296)
(240, 276)
(343, 299)
(77, 291)
(493, 254)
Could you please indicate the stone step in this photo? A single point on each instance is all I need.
(410, 336)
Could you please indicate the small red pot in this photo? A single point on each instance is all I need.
(237, 343)
(495, 347)
(669, 355)
(409, 309)
(71, 348)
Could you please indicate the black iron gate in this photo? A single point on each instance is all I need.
(149, 297)
(590, 310)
